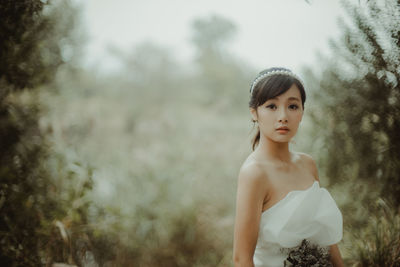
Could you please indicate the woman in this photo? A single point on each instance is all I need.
(279, 199)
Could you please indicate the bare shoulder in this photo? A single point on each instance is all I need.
(253, 173)
(309, 162)
(305, 157)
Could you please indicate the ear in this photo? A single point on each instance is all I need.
(253, 112)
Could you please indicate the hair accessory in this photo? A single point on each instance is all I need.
(271, 73)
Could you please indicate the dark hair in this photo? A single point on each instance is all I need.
(270, 87)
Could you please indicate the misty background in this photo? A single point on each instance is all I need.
(124, 124)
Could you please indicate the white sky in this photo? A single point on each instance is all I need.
(270, 32)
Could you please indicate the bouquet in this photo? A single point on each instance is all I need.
(307, 255)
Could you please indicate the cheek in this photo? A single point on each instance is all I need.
(269, 121)
(296, 116)
(264, 115)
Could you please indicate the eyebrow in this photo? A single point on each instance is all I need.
(290, 98)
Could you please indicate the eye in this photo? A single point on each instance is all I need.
(294, 106)
(271, 106)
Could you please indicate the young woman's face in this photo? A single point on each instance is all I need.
(283, 111)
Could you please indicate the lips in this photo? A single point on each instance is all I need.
(283, 128)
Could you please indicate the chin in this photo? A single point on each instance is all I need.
(282, 140)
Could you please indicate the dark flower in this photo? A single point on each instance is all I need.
(307, 255)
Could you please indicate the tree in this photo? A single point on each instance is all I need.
(222, 77)
(359, 102)
(357, 112)
(35, 184)
(212, 34)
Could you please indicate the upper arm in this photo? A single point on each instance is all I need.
(249, 202)
(312, 165)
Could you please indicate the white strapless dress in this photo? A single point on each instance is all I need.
(302, 214)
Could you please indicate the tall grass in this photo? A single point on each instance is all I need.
(378, 244)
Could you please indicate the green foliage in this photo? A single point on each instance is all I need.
(22, 145)
(358, 117)
(359, 93)
(378, 244)
(23, 32)
(20, 190)
(42, 197)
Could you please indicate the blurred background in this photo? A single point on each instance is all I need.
(123, 124)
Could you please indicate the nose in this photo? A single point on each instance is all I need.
(282, 116)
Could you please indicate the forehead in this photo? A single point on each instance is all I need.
(293, 93)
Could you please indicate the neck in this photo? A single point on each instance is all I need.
(274, 151)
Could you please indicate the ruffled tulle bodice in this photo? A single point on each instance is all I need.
(302, 214)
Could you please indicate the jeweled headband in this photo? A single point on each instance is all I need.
(271, 73)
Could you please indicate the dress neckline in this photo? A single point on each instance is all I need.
(285, 197)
